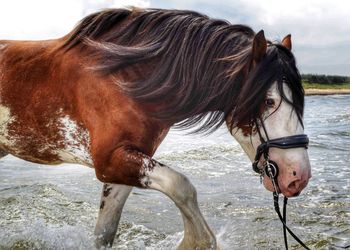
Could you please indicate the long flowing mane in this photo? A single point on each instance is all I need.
(195, 69)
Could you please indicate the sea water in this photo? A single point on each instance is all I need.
(55, 207)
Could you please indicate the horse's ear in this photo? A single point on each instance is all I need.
(287, 42)
(259, 46)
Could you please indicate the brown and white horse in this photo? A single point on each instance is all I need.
(106, 94)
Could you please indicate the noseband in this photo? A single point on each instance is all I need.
(270, 169)
(294, 141)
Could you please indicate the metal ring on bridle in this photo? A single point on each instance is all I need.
(271, 169)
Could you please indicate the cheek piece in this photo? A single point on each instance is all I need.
(270, 169)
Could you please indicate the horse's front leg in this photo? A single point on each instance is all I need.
(113, 198)
(140, 170)
(197, 234)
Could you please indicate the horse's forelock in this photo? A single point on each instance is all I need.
(277, 66)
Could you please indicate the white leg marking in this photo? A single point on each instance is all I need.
(197, 234)
(112, 202)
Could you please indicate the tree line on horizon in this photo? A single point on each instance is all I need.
(325, 79)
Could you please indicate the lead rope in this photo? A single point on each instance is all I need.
(272, 174)
(285, 200)
(284, 217)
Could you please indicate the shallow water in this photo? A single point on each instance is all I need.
(46, 207)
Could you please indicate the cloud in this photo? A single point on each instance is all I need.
(318, 22)
(38, 19)
(94, 5)
(138, 3)
(320, 31)
(326, 19)
(44, 19)
(320, 28)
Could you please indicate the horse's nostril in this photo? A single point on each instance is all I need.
(293, 187)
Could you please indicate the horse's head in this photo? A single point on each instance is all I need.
(271, 107)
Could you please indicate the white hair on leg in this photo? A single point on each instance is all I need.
(197, 234)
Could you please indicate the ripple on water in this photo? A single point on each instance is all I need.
(38, 234)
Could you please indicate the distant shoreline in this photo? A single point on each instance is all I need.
(310, 91)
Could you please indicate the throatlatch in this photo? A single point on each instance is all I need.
(270, 169)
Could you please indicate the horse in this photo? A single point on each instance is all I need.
(106, 94)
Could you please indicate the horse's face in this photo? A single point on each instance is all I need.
(280, 120)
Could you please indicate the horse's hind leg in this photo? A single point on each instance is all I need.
(112, 202)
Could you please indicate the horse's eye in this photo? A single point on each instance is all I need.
(270, 103)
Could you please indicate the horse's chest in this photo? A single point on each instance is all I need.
(54, 140)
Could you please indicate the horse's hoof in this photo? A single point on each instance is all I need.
(103, 243)
(198, 245)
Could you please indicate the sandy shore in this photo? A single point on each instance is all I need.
(327, 91)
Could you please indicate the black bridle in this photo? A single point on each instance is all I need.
(270, 168)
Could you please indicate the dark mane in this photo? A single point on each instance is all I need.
(197, 67)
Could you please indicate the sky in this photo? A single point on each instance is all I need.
(320, 28)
